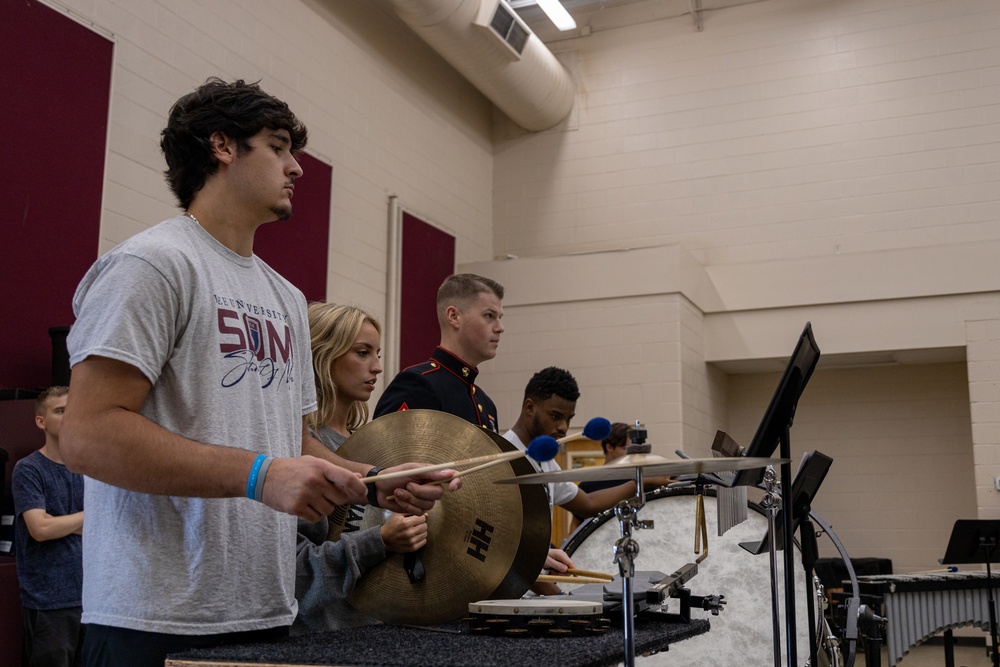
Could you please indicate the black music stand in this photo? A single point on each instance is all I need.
(812, 471)
(773, 432)
(977, 541)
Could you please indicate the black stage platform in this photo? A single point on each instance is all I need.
(448, 645)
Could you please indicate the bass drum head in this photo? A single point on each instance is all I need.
(742, 633)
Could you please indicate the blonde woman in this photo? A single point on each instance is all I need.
(346, 342)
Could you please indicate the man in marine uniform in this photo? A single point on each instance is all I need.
(469, 312)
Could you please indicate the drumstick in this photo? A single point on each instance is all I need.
(542, 448)
(597, 428)
(502, 456)
(483, 466)
(588, 573)
(563, 579)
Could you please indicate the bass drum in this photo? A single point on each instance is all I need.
(742, 633)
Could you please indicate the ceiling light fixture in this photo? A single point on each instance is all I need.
(557, 14)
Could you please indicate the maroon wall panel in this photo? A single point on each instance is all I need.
(297, 248)
(55, 82)
(428, 257)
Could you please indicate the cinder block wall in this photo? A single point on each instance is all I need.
(382, 108)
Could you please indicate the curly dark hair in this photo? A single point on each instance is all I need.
(552, 381)
(238, 110)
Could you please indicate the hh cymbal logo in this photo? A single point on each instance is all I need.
(479, 540)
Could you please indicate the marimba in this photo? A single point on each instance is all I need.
(918, 606)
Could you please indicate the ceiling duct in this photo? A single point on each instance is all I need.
(489, 44)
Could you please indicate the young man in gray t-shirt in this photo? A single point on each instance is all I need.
(191, 381)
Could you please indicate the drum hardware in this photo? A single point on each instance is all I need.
(671, 584)
(626, 548)
(796, 501)
(871, 625)
(829, 640)
(632, 466)
(673, 587)
(743, 632)
(770, 502)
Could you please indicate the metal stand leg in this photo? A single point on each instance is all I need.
(871, 624)
(770, 504)
(626, 549)
(990, 544)
(949, 648)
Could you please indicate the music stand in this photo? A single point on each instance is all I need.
(774, 432)
(812, 471)
(780, 412)
(977, 541)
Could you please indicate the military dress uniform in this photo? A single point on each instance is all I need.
(444, 382)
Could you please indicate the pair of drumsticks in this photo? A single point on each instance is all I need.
(542, 448)
(574, 576)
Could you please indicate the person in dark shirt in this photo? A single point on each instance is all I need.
(469, 311)
(48, 506)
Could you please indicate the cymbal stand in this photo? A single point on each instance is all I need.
(771, 502)
(626, 549)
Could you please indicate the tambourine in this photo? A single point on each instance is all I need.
(537, 617)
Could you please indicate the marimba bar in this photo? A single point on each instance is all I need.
(918, 606)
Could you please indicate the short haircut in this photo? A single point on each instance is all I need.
(332, 331)
(239, 110)
(463, 287)
(617, 437)
(552, 381)
(52, 392)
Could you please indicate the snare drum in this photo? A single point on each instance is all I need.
(742, 633)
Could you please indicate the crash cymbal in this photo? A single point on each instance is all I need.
(650, 464)
(484, 541)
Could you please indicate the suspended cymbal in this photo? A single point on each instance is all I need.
(650, 464)
(484, 541)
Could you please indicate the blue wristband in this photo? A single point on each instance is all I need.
(258, 492)
(254, 472)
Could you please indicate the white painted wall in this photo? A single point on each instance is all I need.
(786, 129)
(385, 111)
(830, 161)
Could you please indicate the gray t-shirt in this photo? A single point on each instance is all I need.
(224, 340)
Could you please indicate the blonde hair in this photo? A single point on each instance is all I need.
(333, 329)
